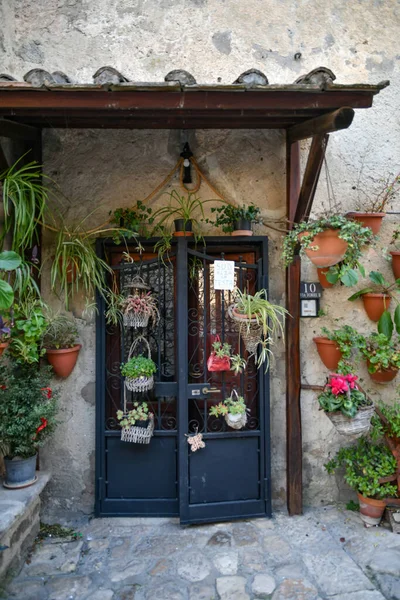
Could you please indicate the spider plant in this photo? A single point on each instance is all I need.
(182, 207)
(24, 201)
(257, 308)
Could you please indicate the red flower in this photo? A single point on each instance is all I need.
(47, 392)
(351, 379)
(338, 384)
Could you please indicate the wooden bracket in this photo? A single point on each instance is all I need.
(311, 177)
(334, 121)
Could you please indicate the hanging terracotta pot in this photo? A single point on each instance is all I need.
(383, 375)
(371, 510)
(322, 278)
(371, 220)
(330, 248)
(328, 352)
(396, 264)
(375, 305)
(3, 346)
(63, 361)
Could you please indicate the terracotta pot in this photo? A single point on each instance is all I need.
(71, 270)
(328, 352)
(375, 305)
(371, 220)
(383, 375)
(183, 234)
(396, 264)
(331, 248)
(322, 278)
(3, 346)
(371, 510)
(63, 361)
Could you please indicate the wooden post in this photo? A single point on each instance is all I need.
(293, 378)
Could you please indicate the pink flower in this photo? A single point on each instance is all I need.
(338, 384)
(351, 379)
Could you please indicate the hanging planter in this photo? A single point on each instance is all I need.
(383, 375)
(63, 360)
(326, 248)
(139, 370)
(137, 425)
(220, 357)
(60, 341)
(375, 305)
(233, 409)
(376, 298)
(328, 352)
(348, 409)
(382, 354)
(139, 306)
(395, 263)
(322, 278)
(368, 219)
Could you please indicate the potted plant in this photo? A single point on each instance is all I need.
(376, 297)
(259, 322)
(365, 464)
(383, 357)
(233, 409)
(335, 348)
(373, 210)
(236, 220)
(327, 242)
(139, 370)
(222, 359)
(27, 418)
(182, 210)
(345, 405)
(60, 342)
(29, 326)
(131, 222)
(137, 424)
(395, 254)
(138, 307)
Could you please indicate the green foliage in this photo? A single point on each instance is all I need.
(349, 342)
(140, 412)
(238, 364)
(184, 207)
(132, 221)
(9, 261)
(234, 406)
(24, 200)
(24, 404)
(352, 232)
(61, 332)
(348, 404)
(392, 427)
(138, 366)
(56, 531)
(379, 286)
(227, 215)
(221, 349)
(381, 352)
(351, 505)
(364, 464)
(26, 335)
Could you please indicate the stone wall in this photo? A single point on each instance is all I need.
(216, 41)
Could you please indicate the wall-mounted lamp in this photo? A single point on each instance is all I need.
(186, 155)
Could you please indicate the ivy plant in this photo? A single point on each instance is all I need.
(392, 427)
(227, 215)
(349, 342)
(352, 232)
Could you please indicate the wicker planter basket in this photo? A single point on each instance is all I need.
(139, 384)
(250, 330)
(135, 320)
(236, 421)
(137, 434)
(352, 426)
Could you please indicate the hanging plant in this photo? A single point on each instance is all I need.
(377, 297)
(222, 359)
(137, 424)
(233, 409)
(327, 242)
(139, 370)
(139, 308)
(383, 357)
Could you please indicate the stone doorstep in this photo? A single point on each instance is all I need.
(19, 522)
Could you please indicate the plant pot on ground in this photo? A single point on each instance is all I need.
(27, 418)
(365, 464)
(236, 220)
(348, 408)
(259, 322)
(377, 297)
(60, 342)
(327, 242)
(233, 409)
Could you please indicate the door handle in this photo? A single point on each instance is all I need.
(207, 390)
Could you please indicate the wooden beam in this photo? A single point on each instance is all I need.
(311, 177)
(18, 131)
(3, 160)
(334, 121)
(293, 375)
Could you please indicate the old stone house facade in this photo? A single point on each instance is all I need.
(103, 170)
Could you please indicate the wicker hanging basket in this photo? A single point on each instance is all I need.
(136, 284)
(250, 330)
(136, 320)
(143, 383)
(357, 425)
(236, 421)
(137, 434)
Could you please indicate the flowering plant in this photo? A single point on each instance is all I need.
(229, 405)
(341, 394)
(141, 303)
(139, 412)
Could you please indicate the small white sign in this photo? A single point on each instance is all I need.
(224, 274)
(308, 308)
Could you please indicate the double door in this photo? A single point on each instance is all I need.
(230, 477)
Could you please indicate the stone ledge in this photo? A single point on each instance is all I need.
(14, 503)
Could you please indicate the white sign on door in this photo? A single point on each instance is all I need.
(224, 274)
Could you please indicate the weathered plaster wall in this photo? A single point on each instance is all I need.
(216, 41)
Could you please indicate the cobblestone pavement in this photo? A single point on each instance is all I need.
(324, 554)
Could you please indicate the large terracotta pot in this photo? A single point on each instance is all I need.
(371, 220)
(371, 510)
(322, 278)
(63, 361)
(383, 375)
(396, 264)
(3, 346)
(375, 305)
(328, 352)
(331, 248)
